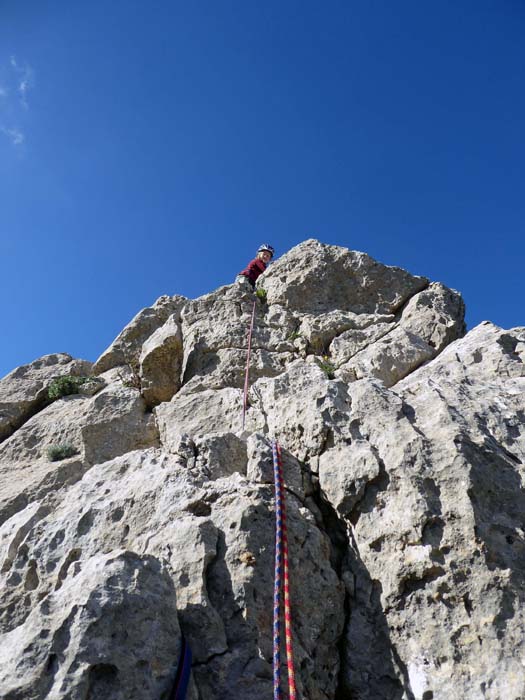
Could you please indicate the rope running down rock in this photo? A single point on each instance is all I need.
(282, 582)
(247, 373)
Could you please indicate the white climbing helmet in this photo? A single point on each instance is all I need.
(267, 248)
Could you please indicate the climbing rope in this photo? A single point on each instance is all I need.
(182, 678)
(247, 373)
(282, 577)
(282, 582)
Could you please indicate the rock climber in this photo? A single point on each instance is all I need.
(257, 266)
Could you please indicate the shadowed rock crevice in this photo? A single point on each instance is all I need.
(212, 674)
(40, 402)
(103, 682)
(371, 666)
(336, 530)
(496, 487)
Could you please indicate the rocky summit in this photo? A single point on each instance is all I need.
(137, 511)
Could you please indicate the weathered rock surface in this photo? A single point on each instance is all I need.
(127, 346)
(114, 610)
(215, 328)
(430, 320)
(161, 362)
(403, 447)
(98, 428)
(23, 391)
(317, 278)
(438, 529)
(215, 538)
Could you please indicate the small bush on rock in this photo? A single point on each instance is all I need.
(327, 367)
(65, 386)
(55, 453)
(261, 294)
(293, 336)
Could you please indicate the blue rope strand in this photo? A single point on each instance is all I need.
(277, 583)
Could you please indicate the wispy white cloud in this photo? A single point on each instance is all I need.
(17, 80)
(24, 75)
(15, 135)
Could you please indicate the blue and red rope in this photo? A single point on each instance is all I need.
(281, 583)
(282, 576)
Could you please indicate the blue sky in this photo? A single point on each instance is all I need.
(149, 148)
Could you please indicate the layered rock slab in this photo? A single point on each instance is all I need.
(97, 428)
(437, 531)
(23, 392)
(429, 321)
(315, 278)
(127, 346)
(215, 539)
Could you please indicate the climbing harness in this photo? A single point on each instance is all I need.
(247, 373)
(183, 672)
(282, 583)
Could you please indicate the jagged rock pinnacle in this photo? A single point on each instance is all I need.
(403, 443)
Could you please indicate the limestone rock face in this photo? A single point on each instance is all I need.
(99, 619)
(403, 446)
(438, 530)
(160, 363)
(214, 328)
(23, 391)
(315, 278)
(390, 351)
(97, 428)
(215, 539)
(127, 346)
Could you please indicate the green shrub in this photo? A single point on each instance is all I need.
(293, 336)
(65, 386)
(261, 294)
(327, 367)
(62, 451)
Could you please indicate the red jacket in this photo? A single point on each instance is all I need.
(252, 271)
